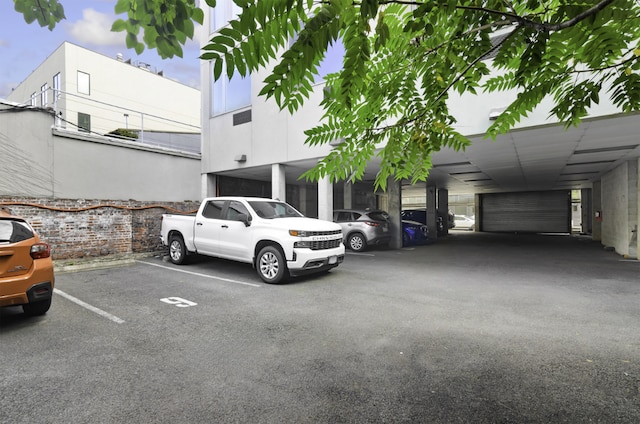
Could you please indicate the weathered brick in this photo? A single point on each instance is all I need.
(113, 228)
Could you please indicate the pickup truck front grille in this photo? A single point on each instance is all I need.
(327, 244)
(323, 233)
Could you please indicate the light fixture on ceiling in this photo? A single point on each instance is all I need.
(597, 162)
(606, 149)
(442, 165)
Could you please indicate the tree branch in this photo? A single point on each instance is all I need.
(541, 26)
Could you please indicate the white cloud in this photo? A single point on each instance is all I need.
(95, 29)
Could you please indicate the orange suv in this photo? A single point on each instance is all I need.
(26, 268)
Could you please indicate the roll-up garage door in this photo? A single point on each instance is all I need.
(527, 212)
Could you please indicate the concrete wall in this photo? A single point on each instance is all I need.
(620, 209)
(26, 152)
(37, 161)
(634, 208)
(597, 207)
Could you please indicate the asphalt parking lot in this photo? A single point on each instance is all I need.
(477, 328)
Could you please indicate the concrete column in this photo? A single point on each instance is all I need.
(432, 216)
(303, 200)
(394, 208)
(478, 211)
(443, 207)
(637, 229)
(586, 218)
(596, 193)
(348, 195)
(325, 199)
(208, 185)
(278, 182)
(634, 207)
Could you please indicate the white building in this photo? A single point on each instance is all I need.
(96, 93)
(251, 148)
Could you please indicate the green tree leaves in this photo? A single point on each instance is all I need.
(391, 98)
(402, 60)
(47, 12)
(165, 24)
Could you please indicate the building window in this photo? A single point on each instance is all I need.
(84, 122)
(225, 11)
(332, 61)
(229, 94)
(43, 95)
(34, 101)
(56, 87)
(84, 85)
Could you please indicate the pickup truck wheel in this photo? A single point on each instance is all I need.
(357, 242)
(271, 265)
(177, 250)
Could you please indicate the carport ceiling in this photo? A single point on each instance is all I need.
(542, 158)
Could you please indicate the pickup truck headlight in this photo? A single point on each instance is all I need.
(298, 233)
(303, 244)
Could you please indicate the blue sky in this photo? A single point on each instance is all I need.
(25, 46)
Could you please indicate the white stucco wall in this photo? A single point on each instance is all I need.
(272, 136)
(472, 111)
(151, 101)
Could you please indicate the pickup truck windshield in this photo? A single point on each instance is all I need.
(274, 209)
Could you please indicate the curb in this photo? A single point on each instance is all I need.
(68, 265)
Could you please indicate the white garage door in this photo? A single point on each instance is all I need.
(527, 212)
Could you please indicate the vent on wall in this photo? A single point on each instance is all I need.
(242, 117)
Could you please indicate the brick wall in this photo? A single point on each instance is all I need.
(92, 229)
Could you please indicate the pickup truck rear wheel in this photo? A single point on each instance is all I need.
(177, 250)
(271, 265)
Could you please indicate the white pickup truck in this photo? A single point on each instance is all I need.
(269, 234)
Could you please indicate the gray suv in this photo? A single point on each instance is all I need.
(363, 228)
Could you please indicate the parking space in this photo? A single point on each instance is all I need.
(475, 328)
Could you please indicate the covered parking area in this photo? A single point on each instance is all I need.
(521, 182)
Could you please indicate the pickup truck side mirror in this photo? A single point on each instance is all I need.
(243, 217)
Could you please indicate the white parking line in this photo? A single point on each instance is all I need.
(360, 254)
(201, 275)
(89, 307)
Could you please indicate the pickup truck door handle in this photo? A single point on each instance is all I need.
(199, 224)
(225, 226)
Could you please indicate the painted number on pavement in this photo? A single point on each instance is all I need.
(178, 301)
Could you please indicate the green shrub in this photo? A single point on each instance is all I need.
(122, 132)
